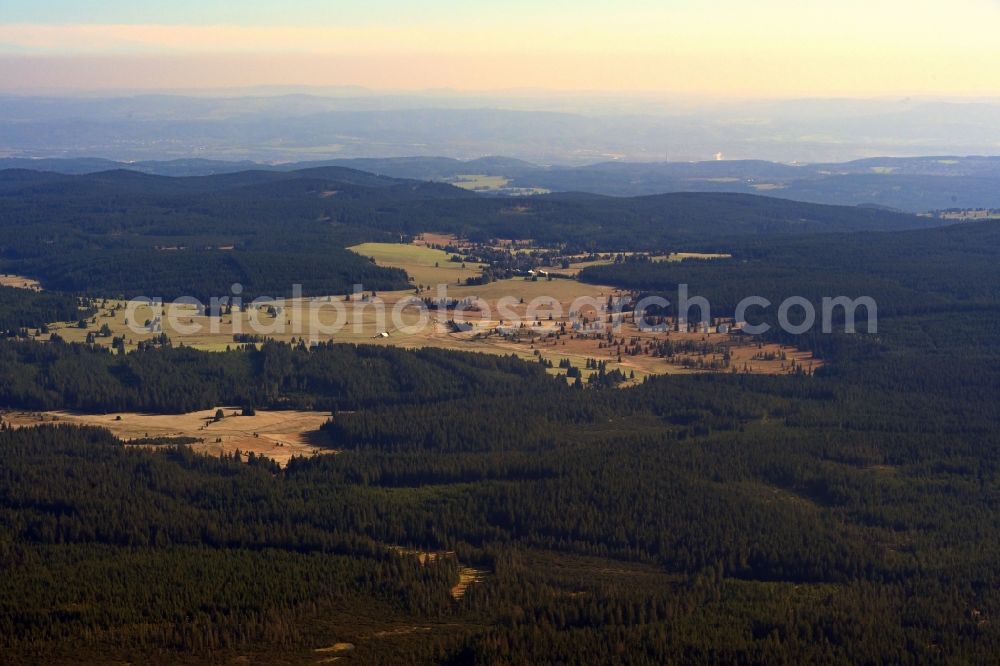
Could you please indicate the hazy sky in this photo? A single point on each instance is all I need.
(711, 47)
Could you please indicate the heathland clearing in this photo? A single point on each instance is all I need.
(479, 182)
(426, 265)
(278, 435)
(685, 256)
(20, 282)
(562, 322)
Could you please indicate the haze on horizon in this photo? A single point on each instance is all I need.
(772, 48)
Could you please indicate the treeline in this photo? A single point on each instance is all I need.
(124, 234)
(581, 223)
(912, 272)
(23, 308)
(210, 273)
(328, 376)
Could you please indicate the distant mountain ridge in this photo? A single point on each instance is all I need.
(907, 184)
(404, 205)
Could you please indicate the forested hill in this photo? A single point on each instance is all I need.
(127, 233)
(848, 517)
(363, 199)
(909, 272)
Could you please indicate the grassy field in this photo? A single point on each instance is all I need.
(479, 182)
(425, 265)
(19, 282)
(697, 256)
(279, 435)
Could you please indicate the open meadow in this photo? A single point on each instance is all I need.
(479, 182)
(562, 322)
(278, 435)
(19, 282)
(427, 266)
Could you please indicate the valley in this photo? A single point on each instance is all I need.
(570, 326)
(479, 453)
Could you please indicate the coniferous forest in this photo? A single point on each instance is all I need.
(850, 516)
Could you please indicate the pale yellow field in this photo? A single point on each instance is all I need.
(19, 282)
(279, 435)
(479, 182)
(701, 256)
